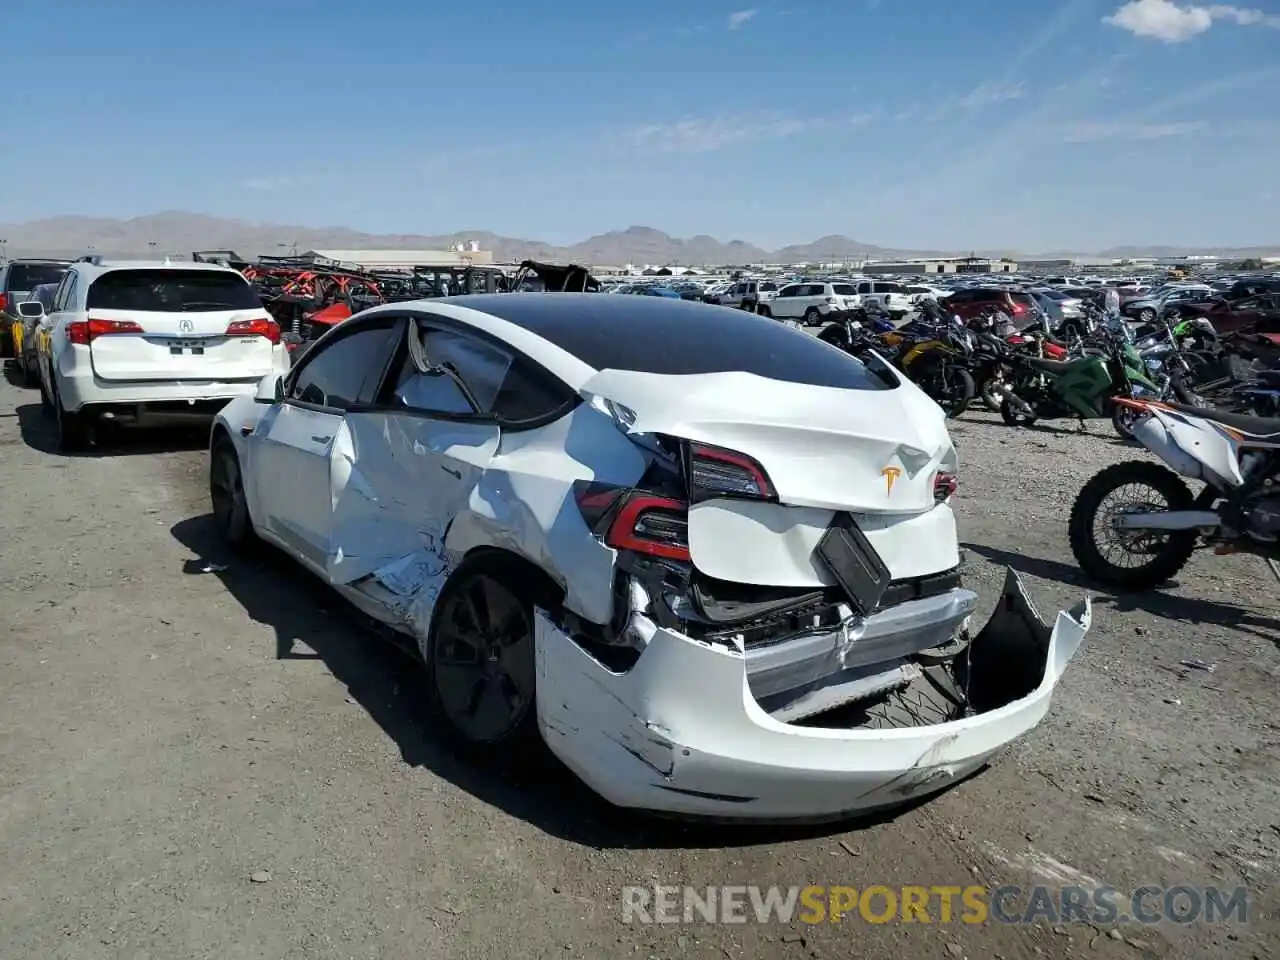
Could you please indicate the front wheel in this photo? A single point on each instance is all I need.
(1147, 315)
(1130, 560)
(1122, 419)
(1016, 412)
(227, 497)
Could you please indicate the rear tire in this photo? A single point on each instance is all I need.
(73, 427)
(764, 311)
(1169, 557)
(961, 393)
(935, 697)
(481, 647)
(812, 317)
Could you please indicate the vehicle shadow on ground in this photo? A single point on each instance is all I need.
(384, 679)
(40, 432)
(1156, 602)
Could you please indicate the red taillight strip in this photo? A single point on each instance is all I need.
(257, 327)
(622, 532)
(740, 460)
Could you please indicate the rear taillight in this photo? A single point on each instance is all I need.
(716, 472)
(944, 487)
(4, 301)
(84, 332)
(257, 327)
(635, 520)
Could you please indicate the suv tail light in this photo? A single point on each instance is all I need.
(4, 301)
(84, 332)
(257, 327)
(716, 472)
(944, 487)
(637, 520)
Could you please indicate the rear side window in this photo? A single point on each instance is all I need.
(504, 386)
(1022, 298)
(888, 288)
(844, 289)
(28, 276)
(172, 291)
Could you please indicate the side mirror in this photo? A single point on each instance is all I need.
(31, 310)
(270, 389)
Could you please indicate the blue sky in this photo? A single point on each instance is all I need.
(1030, 124)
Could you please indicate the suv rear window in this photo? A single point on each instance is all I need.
(28, 276)
(175, 291)
(844, 289)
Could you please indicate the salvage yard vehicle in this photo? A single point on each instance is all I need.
(18, 278)
(137, 342)
(26, 330)
(707, 558)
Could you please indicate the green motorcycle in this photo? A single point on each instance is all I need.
(1080, 389)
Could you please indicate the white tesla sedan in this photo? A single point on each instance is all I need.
(709, 559)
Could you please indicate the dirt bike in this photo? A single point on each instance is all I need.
(1154, 531)
(1082, 389)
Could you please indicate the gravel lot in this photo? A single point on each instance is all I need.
(166, 735)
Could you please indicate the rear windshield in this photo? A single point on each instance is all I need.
(844, 289)
(677, 338)
(28, 276)
(172, 291)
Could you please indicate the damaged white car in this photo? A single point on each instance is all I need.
(709, 559)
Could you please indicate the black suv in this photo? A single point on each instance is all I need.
(17, 279)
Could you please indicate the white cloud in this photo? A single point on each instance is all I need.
(740, 17)
(268, 184)
(1170, 22)
(985, 94)
(708, 134)
(1095, 132)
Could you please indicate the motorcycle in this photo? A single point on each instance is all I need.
(936, 358)
(1236, 456)
(1082, 388)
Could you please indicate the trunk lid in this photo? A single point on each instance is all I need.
(191, 345)
(872, 453)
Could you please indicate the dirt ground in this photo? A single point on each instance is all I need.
(225, 765)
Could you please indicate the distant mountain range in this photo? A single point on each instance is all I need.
(176, 232)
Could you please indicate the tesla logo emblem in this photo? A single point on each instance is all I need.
(891, 475)
(185, 326)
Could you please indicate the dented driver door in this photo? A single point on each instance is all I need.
(408, 471)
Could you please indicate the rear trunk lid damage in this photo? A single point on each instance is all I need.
(802, 528)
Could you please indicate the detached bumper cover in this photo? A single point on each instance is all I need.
(681, 733)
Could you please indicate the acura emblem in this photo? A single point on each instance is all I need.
(185, 326)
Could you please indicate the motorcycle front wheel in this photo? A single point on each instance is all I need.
(1016, 412)
(1136, 559)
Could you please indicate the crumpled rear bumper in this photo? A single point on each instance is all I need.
(680, 732)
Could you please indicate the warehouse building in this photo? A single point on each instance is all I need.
(460, 256)
(941, 265)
